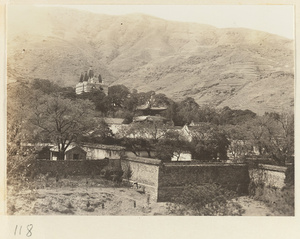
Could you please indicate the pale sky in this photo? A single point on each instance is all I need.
(276, 19)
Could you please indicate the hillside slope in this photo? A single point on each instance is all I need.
(239, 68)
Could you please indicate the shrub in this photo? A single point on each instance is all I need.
(208, 199)
(111, 174)
(280, 200)
(127, 174)
(290, 176)
(70, 206)
(116, 176)
(104, 173)
(24, 166)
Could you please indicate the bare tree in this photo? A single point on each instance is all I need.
(63, 121)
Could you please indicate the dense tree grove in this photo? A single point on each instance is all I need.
(41, 111)
(210, 143)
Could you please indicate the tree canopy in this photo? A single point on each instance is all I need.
(43, 111)
(61, 121)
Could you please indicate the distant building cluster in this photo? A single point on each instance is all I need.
(89, 81)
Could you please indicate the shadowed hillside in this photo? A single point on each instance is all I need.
(239, 68)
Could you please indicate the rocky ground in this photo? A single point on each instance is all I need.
(86, 196)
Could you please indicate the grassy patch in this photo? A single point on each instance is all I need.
(279, 200)
(205, 200)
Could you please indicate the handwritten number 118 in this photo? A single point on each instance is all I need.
(18, 230)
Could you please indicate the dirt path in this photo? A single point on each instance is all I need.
(255, 208)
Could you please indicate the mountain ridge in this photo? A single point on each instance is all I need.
(239, 68)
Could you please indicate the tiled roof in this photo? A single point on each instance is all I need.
(55, 148)
(92, 146)
(145, 107)
(148, 118)
(103, 146)
(114, 120)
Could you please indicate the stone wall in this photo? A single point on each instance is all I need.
(274, 185)
(173, 177)
(269, 175)
(142, 173)
(165, 180)
(85, 167)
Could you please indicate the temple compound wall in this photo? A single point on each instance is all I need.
(163, 181)
(143, 174)
(173, 177)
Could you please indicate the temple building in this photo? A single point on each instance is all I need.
(150, 112)
(89, 81)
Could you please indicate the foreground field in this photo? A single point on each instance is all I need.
(79, 196)
(96, 196)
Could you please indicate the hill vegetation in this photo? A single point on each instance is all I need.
(41, 111)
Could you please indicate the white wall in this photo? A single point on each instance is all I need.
(182, 157)
(94, 153)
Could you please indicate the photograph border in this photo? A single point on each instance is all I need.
(147, 227)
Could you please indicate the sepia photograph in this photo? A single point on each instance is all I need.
(150, 110)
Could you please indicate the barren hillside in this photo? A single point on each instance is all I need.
(239, 68)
